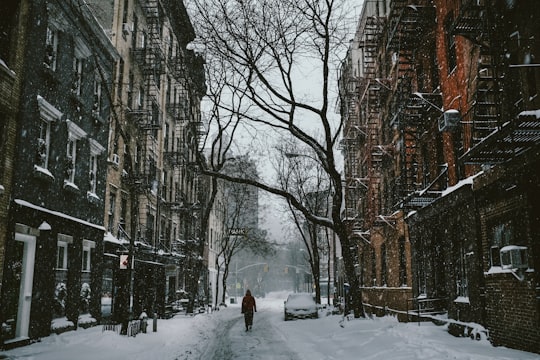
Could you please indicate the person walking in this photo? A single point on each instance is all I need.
(248, 308)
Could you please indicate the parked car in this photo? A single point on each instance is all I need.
(301, 306)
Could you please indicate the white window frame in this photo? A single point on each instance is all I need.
(462, 274)
(77, 74)
(44, 142)
(75, 133)
(81, 53)
(61, 249)
(48, 114)
(62, 245)
(97, 105)
(86, 260)
(51, 39)
(95, 150)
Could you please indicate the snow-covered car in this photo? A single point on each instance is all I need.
(301, 306)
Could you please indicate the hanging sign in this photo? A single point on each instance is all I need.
(124, 261)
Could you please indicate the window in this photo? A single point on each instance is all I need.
(384, 266)
(125, 11)
(121, 80)
(93, 173)
(112, 206)
(51, 48)
(61, 258)
(373, 268)
(123, 210)
(140, 98)
(62, 251)
(75, 133)
(97, 106)
(48, 113)
(149, 226)
(87, 255)
(402, 263)
(95, 150)
(503, 235)
(462, 278)
(77, 76)
(44, 142)
(130, 90)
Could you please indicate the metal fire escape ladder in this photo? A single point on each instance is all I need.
(407, 26)
(474, 23)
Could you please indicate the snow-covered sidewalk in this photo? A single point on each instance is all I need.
(190, 337)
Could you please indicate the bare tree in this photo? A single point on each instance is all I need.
(268, 49)
(299, 173)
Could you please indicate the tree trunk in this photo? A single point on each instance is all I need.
(354, 299)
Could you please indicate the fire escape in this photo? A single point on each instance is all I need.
(473, 23)
(146, 115)
(371, 101)
(361, 103)
(413, 103)
(500, 129)
(353, 136)
(180, 155)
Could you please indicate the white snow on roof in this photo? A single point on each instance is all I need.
(57, 213)
(113, 239)
(466, 181)
(535, 113)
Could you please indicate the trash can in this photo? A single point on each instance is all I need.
(232, 300)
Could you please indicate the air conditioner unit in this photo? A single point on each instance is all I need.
(126, 29)
(115, 160)
(449, 120)
(514, 257)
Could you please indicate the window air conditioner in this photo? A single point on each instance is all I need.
(514, 257)
(449, 120)
(115, 159)
(126, 29)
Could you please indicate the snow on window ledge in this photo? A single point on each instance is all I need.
(92, 197)
(500, 270)
(462, 300)
(43, 173)
(72, 187)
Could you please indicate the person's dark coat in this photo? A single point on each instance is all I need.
(248, 303)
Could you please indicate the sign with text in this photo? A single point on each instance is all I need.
(238, 231)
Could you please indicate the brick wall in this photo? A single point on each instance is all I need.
(7, 135)
(380, 300)
(512, 312)
(10, 85)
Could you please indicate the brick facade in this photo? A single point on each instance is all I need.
(441, 115)
(57, 187)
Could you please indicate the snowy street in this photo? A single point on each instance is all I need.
(221, 336)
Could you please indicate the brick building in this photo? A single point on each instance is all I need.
(153, 194)
(55, 230)
(10, 62)
(460, 116)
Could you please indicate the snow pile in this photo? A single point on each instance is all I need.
(190, 337)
